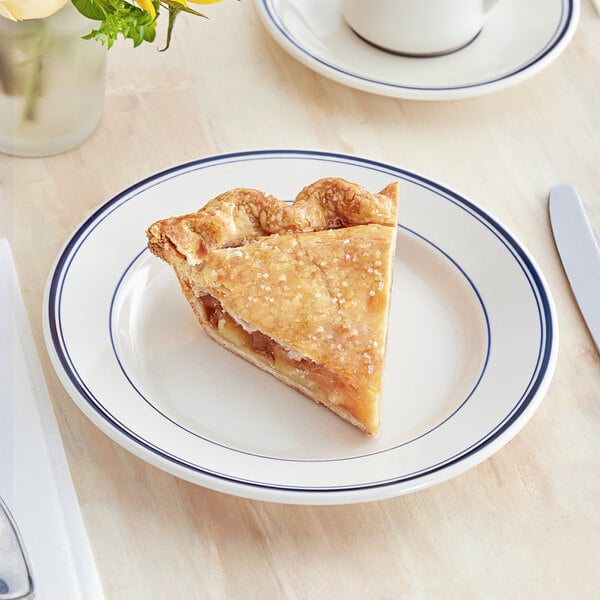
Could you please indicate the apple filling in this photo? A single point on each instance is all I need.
(301, 370)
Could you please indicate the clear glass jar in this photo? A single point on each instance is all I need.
(51, 83)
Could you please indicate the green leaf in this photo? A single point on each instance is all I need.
(97, 10)
(150, 33)
(127, 21)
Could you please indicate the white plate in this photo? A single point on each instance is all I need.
(519, 40)
(472, 344)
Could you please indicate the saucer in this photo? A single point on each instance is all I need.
(518, 41)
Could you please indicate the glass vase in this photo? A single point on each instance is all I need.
(51, 83)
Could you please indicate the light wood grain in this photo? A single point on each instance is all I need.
(525, 523)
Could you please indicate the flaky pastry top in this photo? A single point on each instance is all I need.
(241, 215)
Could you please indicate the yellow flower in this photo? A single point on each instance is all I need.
(17, 10)
(145, 5)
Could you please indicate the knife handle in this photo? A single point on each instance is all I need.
(16, 581)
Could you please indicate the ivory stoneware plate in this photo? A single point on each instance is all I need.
(472, 343)
(519, 39)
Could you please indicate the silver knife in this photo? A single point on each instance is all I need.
(579, 252)
(35, 480)
(16, 581)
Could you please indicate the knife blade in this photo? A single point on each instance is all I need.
(16, 580)
(579, 252)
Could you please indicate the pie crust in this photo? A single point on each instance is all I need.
(300, 290)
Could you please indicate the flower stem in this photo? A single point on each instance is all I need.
(6, 76)
(173, 12)
(33, 85)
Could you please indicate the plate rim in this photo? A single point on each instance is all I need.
(466, 459)
(536, 63)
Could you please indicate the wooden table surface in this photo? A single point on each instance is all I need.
(524, 523)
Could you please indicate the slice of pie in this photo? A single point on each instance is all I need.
(300, 290)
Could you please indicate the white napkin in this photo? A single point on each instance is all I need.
(35, 481)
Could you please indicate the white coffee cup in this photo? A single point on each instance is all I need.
(417, 27)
